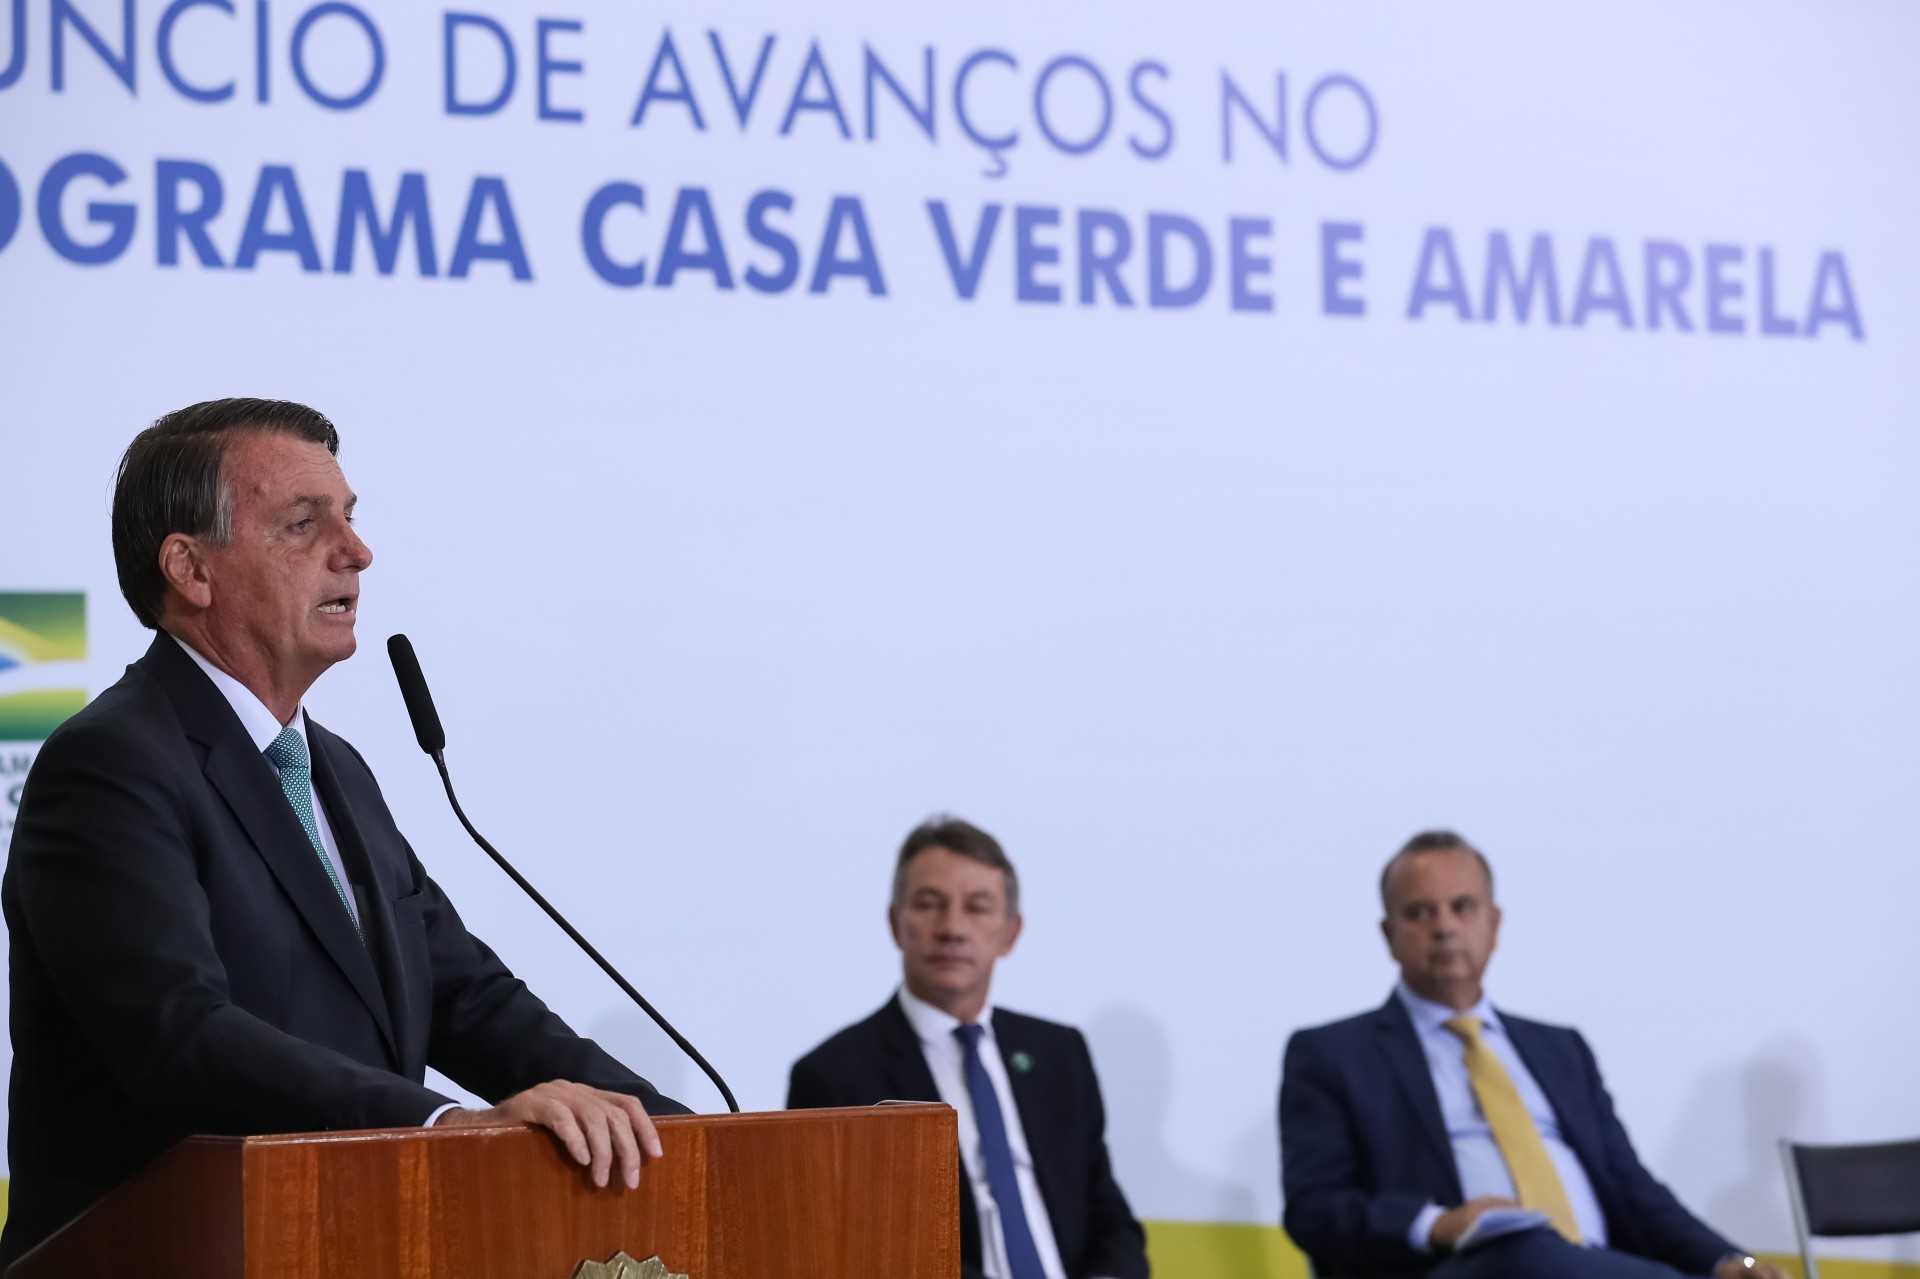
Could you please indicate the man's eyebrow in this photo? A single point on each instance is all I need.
(312, 502)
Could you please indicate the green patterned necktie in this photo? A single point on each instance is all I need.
(289, 754)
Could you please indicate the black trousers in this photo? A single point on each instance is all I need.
(1542, 1254)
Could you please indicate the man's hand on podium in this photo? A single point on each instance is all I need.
(594, 1126)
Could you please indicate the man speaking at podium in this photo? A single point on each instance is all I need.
(1037, 1194)
(214, 924)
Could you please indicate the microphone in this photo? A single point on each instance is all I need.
(433, 740)
(413, 691)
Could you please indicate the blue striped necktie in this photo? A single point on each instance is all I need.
(289, 755)
(1023, 1258)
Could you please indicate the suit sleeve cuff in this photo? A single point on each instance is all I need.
(1420, 1233)
(434, 1118)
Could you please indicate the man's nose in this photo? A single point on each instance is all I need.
(355, 553)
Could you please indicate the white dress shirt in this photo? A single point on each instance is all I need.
(947, 1060)
(263, 726)
(1483, 1170)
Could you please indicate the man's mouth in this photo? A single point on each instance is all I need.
(344, 604)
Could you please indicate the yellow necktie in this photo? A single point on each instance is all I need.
(1535, 1182)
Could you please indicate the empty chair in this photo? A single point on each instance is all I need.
(1852, 1190)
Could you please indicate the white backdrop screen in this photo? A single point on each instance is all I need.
(1202, 444)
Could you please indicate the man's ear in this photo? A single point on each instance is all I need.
(1019, 922)
(893, 926)
(183, 563)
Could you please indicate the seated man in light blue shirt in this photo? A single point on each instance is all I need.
(1439, 1137)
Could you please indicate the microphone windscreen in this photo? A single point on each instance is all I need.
(413, 690)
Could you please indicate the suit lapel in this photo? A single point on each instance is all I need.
(1015, 1045)
(247, 783)
(1544, 1062)
(376, 915)
(908, 1078)
(1408, 1064)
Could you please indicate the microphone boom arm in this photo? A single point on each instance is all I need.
(433, 740)
(446, 779)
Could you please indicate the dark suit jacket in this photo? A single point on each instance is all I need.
(1363, 1147)
(180, 962)
(879, 1059)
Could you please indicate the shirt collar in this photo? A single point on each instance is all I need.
(933, 1025)
(261, 724)
(1429, 1017)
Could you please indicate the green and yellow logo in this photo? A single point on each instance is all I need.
(43, 646)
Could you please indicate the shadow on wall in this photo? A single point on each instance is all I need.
(644, 1048)
(1778, 1092)
(1135, 1063)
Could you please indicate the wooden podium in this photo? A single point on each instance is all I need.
(813, 1194)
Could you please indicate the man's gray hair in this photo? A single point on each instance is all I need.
(170, 482)
(956, 836)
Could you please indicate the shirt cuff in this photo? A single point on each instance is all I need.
(434, 1118)
(1420, 1233)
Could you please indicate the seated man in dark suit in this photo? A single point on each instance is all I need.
(214, 925)
(1037, 1195)
(1411, 1134)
